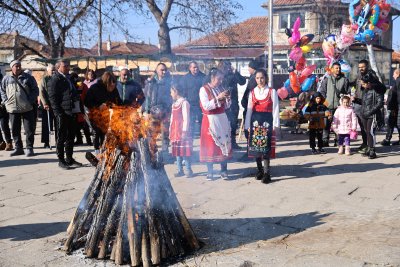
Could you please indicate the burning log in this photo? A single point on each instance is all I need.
(130, 212)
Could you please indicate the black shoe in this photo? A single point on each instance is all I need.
(29, 152)
(366, 152)
(46, 145)
(372, 154)
(325, 143)
(89, 143)
(362, 149)
(17, 152)
(259, 175)
(73, 163)
(321, 150)
(266, 178)
(63, 165)
(77, 143)
(314, 151)
(224, 176)
(179, 174)
(385, 142)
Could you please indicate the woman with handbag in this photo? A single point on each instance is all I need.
(371, 104)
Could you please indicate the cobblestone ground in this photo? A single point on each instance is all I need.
(320, 210)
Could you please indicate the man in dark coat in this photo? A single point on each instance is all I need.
(62, 95)
(331, 88)
(191, 83)
(130, 92)
(231, 79)
(363, 69)
(251, 84)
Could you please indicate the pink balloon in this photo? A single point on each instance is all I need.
(291, 42)
(296, 54)
(308, 70)
(282, 93)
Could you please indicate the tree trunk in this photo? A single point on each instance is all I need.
(164, 39)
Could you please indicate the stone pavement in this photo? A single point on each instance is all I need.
(321, 210)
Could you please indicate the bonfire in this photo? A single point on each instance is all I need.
(130, 213)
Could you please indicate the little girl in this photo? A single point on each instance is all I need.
(262, 122)
(344, 121)
(179, 133)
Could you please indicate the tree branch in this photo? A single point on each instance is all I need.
(186, 27)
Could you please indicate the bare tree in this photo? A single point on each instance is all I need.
(202, 16)
(53, 18)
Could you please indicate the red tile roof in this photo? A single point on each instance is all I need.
(249, 32)
(127, 48)
(396, 56)
(300, 2)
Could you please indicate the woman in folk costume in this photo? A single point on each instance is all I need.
(262, 121)
(179, 132)
(215, 138)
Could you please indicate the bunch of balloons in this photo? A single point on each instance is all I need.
(300, 77)
(334, 46)
(369, 19)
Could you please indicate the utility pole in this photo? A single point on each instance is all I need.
(100, 28)
(270, 45)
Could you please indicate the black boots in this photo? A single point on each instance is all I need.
(260, 172)
(266, 178)
(372, 154)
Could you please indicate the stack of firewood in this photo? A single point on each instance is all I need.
(129, 212)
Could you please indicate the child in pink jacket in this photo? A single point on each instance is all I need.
(344, 121)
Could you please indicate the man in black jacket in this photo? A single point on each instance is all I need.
(62, 95)
(192, 82)
(251, 84)
(231, 79)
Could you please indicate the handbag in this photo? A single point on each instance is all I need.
(353, 135)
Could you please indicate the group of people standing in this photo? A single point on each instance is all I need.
(175, 107)
(338, 108)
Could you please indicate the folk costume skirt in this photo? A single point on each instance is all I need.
(261, 142)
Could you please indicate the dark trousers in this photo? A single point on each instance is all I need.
(65, 126)
(392, 123)
(195, 121)
(233, 114)
(315, 133)
(367, 124)
(328, 123)
(98, 138)
(363, 133)
(28, 119)
(45, 125)
(5, 127)
(86, 131)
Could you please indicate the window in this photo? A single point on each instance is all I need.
(287, 20)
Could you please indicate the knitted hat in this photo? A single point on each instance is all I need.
(16, 61)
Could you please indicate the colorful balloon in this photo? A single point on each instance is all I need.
(288, 32)
(346, 36)
(305, 39)
(287, 84)
(282, 93)
(301, 63)
(294, 82)
(308, 83)
(344, 66)
(374, 17)
(306, 48)
(308, 70)
(296, 54)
